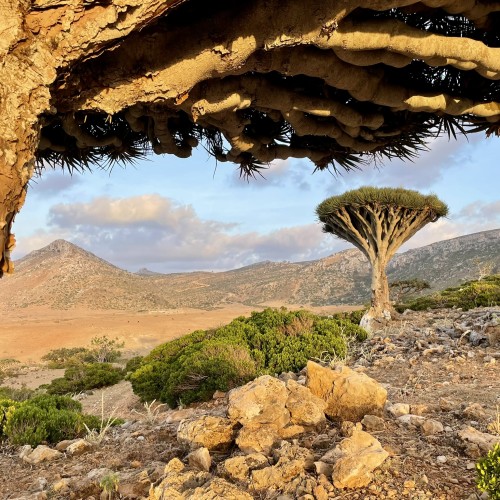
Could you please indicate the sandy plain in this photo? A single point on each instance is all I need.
(29, 333)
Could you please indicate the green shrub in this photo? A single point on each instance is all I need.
(66, 356)
(133, 364)
(85, 376)
(191, 368)
(471, 294)
(7, 407)
(488, 473)
(44, 418)
(21, 394)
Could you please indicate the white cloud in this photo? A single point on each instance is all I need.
(153, 231)
(53, 183)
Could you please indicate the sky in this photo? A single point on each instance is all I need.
(173, 215)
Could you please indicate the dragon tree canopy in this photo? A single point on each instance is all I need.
(340, 82)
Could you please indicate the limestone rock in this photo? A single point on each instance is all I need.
(200, 459)
(42, 453)
(214, 433)
(63, 445)
(260, 402)
(292, 462)
(398, 409)
(349, 395)
(482, 440)
(305, 408)
(431, 427)
(219, 489)
(178, 481)
(258, 439)
(78, 447)
(357, 457)
(239, 468)
(373, 423)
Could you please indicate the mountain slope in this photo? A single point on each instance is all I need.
(62, 275)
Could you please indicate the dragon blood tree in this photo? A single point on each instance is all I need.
(87, 83)
(378, 221)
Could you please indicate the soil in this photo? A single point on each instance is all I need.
(422, 359)
(27, 334)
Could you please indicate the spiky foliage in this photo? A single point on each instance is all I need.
(385, 197)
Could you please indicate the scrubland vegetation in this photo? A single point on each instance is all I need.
(479, 293)
(193, 367)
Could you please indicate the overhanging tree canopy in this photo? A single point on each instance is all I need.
(378, 221)
(93, 82)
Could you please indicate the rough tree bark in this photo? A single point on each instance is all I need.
(326, 80)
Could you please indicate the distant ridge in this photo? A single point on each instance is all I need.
(63, 276)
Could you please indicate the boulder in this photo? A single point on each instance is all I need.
(219, 489)
(373, 423)
(305, 408)
(42, 453)
(78, 447)
(260, 402)
(292, 461)
(398, 409)
(356, 458)
(349, 395)
(200, 459)
(180, 483)
(431, 427)
(213, 433)
(239, 468)
(482, 440)
(257, 440)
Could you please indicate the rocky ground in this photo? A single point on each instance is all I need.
(441, 373)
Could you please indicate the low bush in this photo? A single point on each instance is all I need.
(483, 293)
(193, 367)
(43, 418)
(65, 356)
(488, 473)
(85, 376)
(133, 363)
(21, 394)
(101, 350)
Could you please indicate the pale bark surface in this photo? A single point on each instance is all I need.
(83, 82)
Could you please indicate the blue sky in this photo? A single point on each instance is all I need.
(172, 215)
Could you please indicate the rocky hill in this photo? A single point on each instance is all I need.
(62, 275)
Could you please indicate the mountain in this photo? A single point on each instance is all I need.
(62, 276)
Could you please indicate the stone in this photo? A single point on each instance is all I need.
(305, 408)
(474, 412)
(431, 427)
(349, 395)
(291, 431)
(482, 440)
(218, 489)
(398, 409)
(25, 451)
(213, 433)
(79, 447)
(292, 462)
(239, 468)
(441, 459)
(323, 468)
(356, 458)
(419, 409)
(62, 485)
(63, 445)
(373, 423)
(414, 420)
(260, 402)
(42, 453)
(257, 440)
(200, 459)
